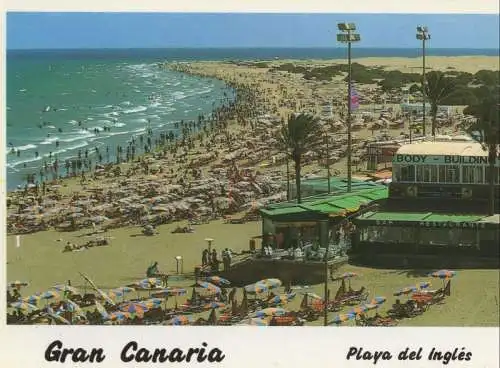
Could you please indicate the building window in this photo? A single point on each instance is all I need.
(468, 174)
(442, 174)
(408, 173)
(420, 174)
(396, 172)
(478, 174)
(434, 174)
(453, 174)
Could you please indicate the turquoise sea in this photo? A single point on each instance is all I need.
(60, 102)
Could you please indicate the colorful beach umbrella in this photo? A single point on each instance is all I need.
(18, 284)
(50, 294)
(444, 274)
(406, 290)
(152, 303)
(270, 283)
(282, 299)
(169, 292)
(181, 320)
(150, 283)
(342, 318)
(214, 305)
(424, 285)
(24, 306)
(371, 306)
(124, 289)
(256, 288)
(217, 280)
(360, 309)
(209, 286)
(32, 299)
(74, 308)
(135, 309)
(119, 316)
(378, 300)
(268, 312)
(113, 294)
(58, 318)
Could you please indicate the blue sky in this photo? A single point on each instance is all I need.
(158, 30)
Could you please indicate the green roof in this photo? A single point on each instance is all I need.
(416, 217)
(319, 206)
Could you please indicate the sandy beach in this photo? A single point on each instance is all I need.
(236, 168)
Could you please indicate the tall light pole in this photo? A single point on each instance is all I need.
(347, 36)
(328, 174)
(423, 35)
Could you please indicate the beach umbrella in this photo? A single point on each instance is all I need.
(360, 309)
(50, 294)
(209, 286)
(406, 290)
(217, 280)
(181, 320)
(135, 309)
(342, 318)
(24, 306)
(267, 312)
(214, 305)
(102, 310)
(119, 316)
(74, 308)
(424, 285)
(115, 294)
(18, 284)
(444, 274)
(256, 288)
(32, 299)
(281, 299)
(270, 283)
(378, 300)
(152, 303)
(254, 322)
(348, 275)
(150, 283)
(169, 292)
(124, 289)
(371, 306)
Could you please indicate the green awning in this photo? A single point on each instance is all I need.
(391, 218)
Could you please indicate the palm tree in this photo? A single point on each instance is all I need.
(486, 130)
(437, 88)
(295, 139)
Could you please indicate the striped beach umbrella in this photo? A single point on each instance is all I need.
(256, 288)
(169, 291)
(150, 283)
(444, 274)
(113, 294)
(24, 306)
(217, 280)
(371, 306)
(281, 299)
(342, 318)
(50, 294)
(152, 303)
(378, 300)
(119, 316)
(181, 320)
(424, 285)
(360, 309)
(268, 312)
(135, 309)
(32, 299)
(209, 286)
(214, 305)
(406, 290)
(271, 283)
(124, 289)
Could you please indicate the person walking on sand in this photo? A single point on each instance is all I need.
(215, 261)
(204, 257)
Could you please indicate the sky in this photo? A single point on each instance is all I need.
(162, 30)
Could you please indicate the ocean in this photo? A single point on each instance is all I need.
(59, 102)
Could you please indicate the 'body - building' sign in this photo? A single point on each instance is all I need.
(442, 160)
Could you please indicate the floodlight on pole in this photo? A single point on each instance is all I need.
(423, 35)
(347, 36)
